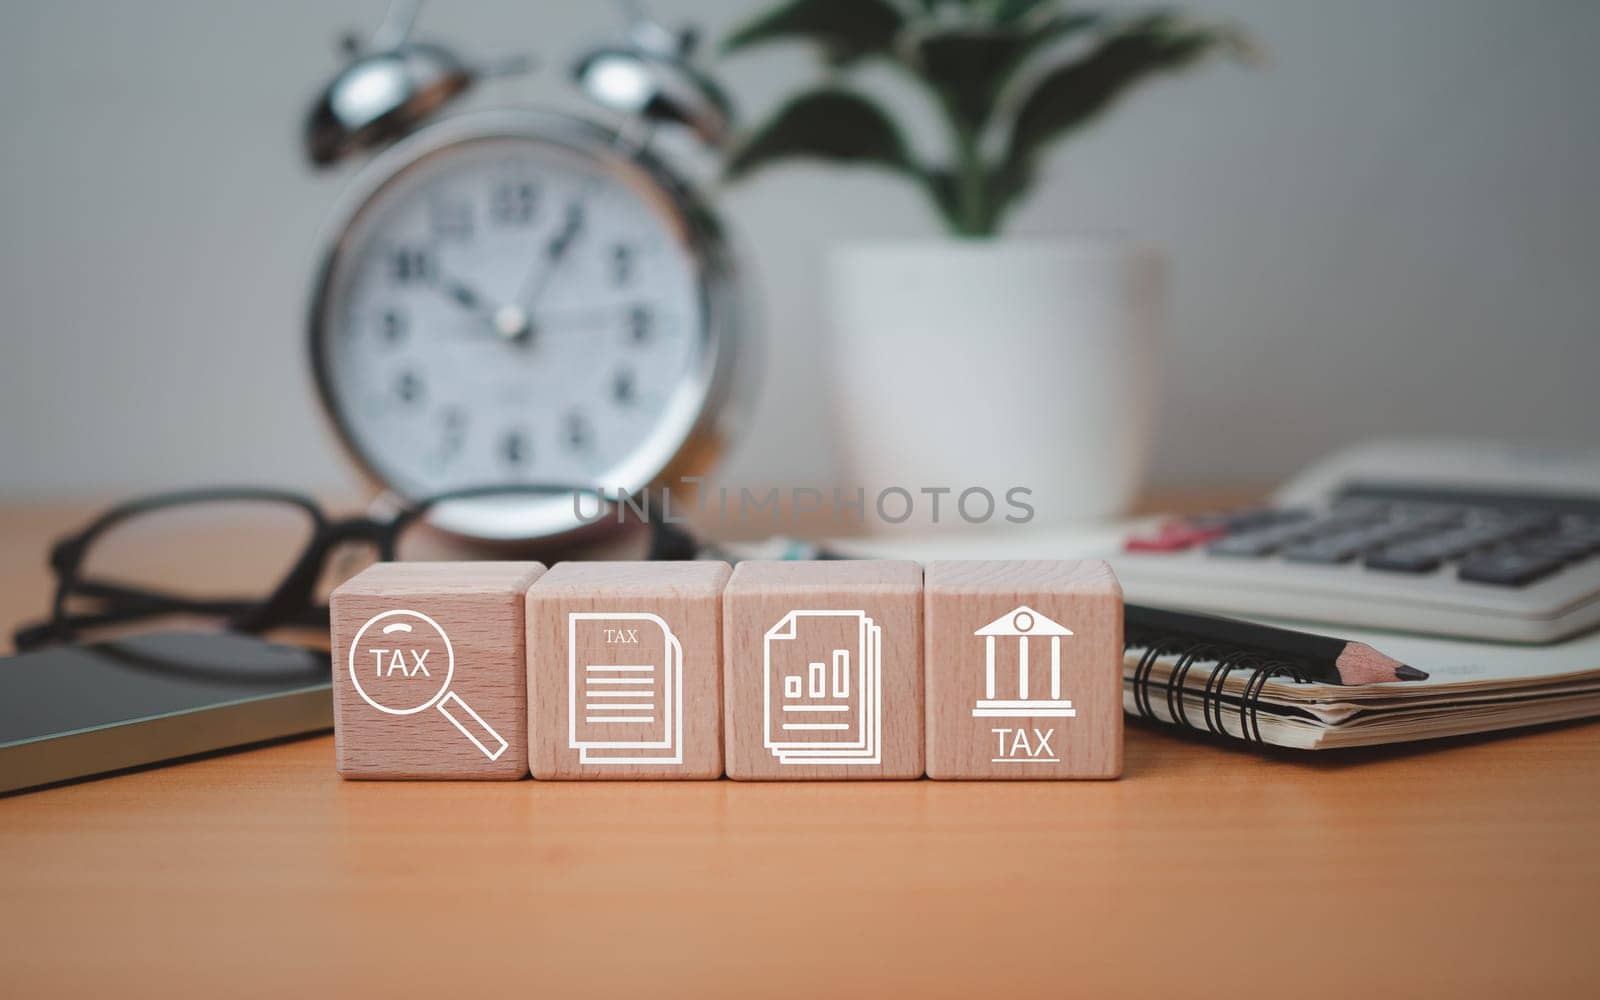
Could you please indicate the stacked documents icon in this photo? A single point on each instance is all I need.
(624, 689)
(823, 688)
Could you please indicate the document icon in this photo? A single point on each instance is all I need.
(823, 688)
(624, 689)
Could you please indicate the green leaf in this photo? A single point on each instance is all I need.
(846, 30)
(1011, 11)
(969, 68)
(945, 188)
(830, 124)
(1073, 94)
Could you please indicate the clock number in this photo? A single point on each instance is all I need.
(640, 324)
(410, 265)
(454, 420)
(408, 387)
(392, 326)
(514, 448)
(579, 434)
(624, 386)
(450, 220)
(623, 260)
(513, 203)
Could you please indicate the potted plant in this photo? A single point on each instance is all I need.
(977, 360)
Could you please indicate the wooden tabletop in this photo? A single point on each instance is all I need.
(1461, 868)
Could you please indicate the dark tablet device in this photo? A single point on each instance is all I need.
(73, 711)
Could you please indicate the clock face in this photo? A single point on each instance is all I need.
(509, 309)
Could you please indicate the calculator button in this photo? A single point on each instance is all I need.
(1508, 569)
(1403, 559)
(1346, 545)
(1579, 524)
(1263, 541)
(1458, 542)
(1585, 541)
(1288, 515)
(1249, 546)
(1325, 552)
(1359, 508)
(1175, 536)
(1255, 518)
(1553, 547)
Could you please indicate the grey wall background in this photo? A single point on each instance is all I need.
(1391, 227)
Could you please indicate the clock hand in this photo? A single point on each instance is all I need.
(463, 295)
(510, 322)
(560, 244)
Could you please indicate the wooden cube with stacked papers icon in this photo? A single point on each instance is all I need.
(822, 670)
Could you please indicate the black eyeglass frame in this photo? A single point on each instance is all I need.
(292, 601)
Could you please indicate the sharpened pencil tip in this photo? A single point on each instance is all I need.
(1405, 672)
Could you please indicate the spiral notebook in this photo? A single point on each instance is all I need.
(1254, 695)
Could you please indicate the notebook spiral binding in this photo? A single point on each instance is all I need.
(1213, 702)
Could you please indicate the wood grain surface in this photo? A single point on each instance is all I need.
(982, 723)
(687, 598)
(475, 674)
(813, 619)
(1465, 868)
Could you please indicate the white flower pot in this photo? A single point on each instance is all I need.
(995, 366)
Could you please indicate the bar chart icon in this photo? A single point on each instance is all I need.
(823, 688)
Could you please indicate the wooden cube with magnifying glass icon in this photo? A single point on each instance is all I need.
(430, 671)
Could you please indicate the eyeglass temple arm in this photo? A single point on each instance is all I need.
(291, 603)
(138, 597)
(66, 627)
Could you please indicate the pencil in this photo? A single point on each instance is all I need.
(1332, 661)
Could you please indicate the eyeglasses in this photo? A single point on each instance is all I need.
(265, 553)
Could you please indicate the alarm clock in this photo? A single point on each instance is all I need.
(521, 296)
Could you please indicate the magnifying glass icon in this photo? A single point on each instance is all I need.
(401, 663)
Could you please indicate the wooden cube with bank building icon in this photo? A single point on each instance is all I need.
(1024, 669)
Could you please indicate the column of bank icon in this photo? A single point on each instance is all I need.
(823, 688)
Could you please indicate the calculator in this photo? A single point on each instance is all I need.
(1447, 537)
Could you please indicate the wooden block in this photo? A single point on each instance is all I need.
(1024, 670)
(430, 672)
(822, 670)
(625, 670)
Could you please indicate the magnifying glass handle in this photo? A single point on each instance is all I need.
(472, 726)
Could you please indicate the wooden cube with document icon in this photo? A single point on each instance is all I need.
(822, 667)
(1024, 669)
(625, 670)
(429, 670)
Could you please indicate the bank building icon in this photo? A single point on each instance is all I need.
(1022, 667)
